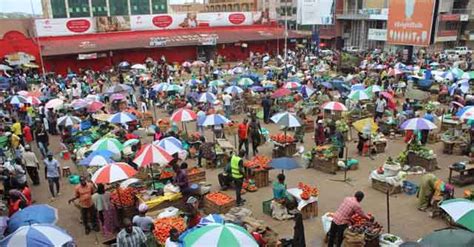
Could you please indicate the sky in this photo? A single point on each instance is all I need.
(8, 6)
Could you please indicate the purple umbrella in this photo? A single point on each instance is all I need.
(257, 89)
(418, 124)
(326, 84)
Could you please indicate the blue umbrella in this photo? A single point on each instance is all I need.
(171, 144)
(35, 214)
(234, 89)
(37, 235)
(326, 84)
(207, 97)
(214, 119)
(258, 88)
(307, 91)
(212, 218)
(122, 117)
(358, 86)
(97, 158)
(284, 163)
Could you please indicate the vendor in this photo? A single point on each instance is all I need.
(181, 180)
(341, 219)
(280, 198)
(224, 178)
(192, 212)
(432, 189)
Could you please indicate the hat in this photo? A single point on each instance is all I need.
(27, 147)
(191, 200)
(320, 121)
(50, 153)
(142, 208)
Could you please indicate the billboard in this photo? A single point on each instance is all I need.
(410, 22)
(315, 12)
(74, 26)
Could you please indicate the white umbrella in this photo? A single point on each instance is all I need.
(68, 121)
(139, 66)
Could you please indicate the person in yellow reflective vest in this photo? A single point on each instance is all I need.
(237, 174)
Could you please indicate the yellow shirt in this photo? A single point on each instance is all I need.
(15, 141)
(16, 128)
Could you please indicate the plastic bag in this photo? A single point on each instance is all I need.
(168, 212)
(386, 243)
(327, 221)
(169, 188)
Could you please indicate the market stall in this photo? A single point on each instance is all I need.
(388, 177)
(307, 199)
(324, 158)
(362, 232)
(454, 141)
(218, 203)
(258, 169)
(283, 145)
(419, 155)
(465, 172)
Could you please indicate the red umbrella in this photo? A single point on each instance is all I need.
(282, 92)
(183, 115)
(152, 154)
(113, 172)
(94, 106)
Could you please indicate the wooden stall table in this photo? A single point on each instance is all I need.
(414, 159)
(283, 149)
(261, 177)
(161, 202)
(450, 124)
(308, 208)
(384, 187)
(465, 177)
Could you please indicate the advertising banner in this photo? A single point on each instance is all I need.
(374, 4)
(63, 27)
(377, 34)
(112, 23)
(410, 22)
(315, 12)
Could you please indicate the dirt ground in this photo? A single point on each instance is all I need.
(405, 220)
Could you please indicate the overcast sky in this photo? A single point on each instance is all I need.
(8, 6)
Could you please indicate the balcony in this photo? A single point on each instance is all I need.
(362, 14)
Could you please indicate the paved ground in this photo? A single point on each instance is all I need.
(406, 220)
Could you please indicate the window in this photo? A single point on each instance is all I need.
(99, 7)
(79, 8)
(58, 8)
(159, 6)
(118, 7)
(140, 7)
(294, 11)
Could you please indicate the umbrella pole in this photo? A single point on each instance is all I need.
(388, 211)
(152, 177)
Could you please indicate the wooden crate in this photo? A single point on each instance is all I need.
(284, 151)
(324, 165)
(310, 210)
(383, 187)
(197, 177)
(380, 147)
(210, 164)
(415, 160)
(261, 178)
(211, 208)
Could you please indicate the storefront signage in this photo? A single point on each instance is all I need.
(87, 56)
(157, 42)
(464, 17)
(377, 34)
(315, 12)
(199, 39)
(208, 40)
(64, 27)
(19, 58)
(410, 22)
(449, 17)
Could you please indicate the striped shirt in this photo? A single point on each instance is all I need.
(133, 239)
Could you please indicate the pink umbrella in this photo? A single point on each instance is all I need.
(113, 172)
(33, 100)
(334, 106)
(282, 92)
(79, 103)
(152, 154)
(186, 64)
(292, 85)
(94, 106)
(392, 103)
(54, 104)
(23, 93)
(117, 96)
(183, 115)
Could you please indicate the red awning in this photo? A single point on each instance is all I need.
(163, 38)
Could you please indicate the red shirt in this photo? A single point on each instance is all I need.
(243, 131)
(130, 136)
(27, 134)
(346, 210)
(27, 193)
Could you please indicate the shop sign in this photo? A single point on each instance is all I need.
(19, 58)
(202, 39)
(464, 18)
(377, 34)
(157, 42)
(210, 40)
(87, 56)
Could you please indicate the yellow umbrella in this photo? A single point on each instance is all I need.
(365, 125)
(102, 117)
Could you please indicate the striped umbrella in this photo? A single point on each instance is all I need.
(234, 90)
(110, 144)
(97, 158)
(215, 234)
(171, 145)
(281, 92)
(152, 154)
(461, 211)
(160, 87)
(214, 119)
(373, 89)
(119, 88)
(54, 104)
(37, 235)
(113, 172)
(449, 75)
(457, 72)
(117, 96)
(34, 100)
(334, 106)
(286, 119)
(131, 142)
(194, 82)
(68, 121)
(94, 106)
(466, 113)
(418, 124)
(245, 82)
(468, 75)
(292, 85)
(122, 117)
(183, 115)
(358, 95)
(207, 97)
(307, 91)
(212, 218)
(18, 99)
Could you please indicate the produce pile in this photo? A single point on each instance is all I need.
(308, 191)
(194, 170)
(219, 198)
(166, 174)
(325, 152)
(164, 225)
(342, 126)
(249, 185)
(124, 197)
(282, 138)
(258, 163)
(361, 225)
(419, 150)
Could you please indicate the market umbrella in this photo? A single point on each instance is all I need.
(110, 144)
(198, 63)
(218, 235)
(334, 106)
(122, 117)
(139, 66)
(68, 120)
(292, 85)
(186, 64)
(326, 84)
(284, 163)
(207, 97)
(373, 89)
(307, 91)
(286, 119)
(119, 88)
(449, 75)
(124, 65)
(466, 113)
(94, 106)
(216, 83)
(418, 124)
(37, 235)
(259, 88)
(183, 115)
(152, 154)
(171, 145)
(461, 211)
(97, 158)
(174, 88)
(358, 95)
(212, 218)
(33, 100)
(113, 172)
(131, 142)
(457, 72)
(366, 125)
(214, 119)
(449, 237)
(194, 82)
(160, 87)
(245, 82)
(18, 99)
(234, 90)
(281, 92)
(79, 103)
(5, 67)
(101, 117)
(358, 86)
(34, 214)
(468, 75)
(54, 104)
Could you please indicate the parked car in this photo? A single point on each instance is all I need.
(460, 50)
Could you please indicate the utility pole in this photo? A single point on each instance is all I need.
(286, 31)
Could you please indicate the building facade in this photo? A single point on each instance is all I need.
(230, 5)
(92, 8)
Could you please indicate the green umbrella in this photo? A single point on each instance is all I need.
(111, 144)
(461, 211)
(359, 95)
(218, 235)
(245, 82)
(173, 87)
(216, 83)
(449, 237)
(131, 142)
(468, 75)
(458, 72)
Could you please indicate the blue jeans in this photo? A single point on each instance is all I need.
(51, 183)
(43, 149)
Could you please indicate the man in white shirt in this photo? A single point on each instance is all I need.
(227, 98)
(31, 164)
(380, 105)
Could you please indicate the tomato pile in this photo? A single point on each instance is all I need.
(194, 170)
(219, 198)
(258, 162)
(249, 185)
(164, 225)
(282, 138)
(166, 174)
(362, 225)
(308, 191)
(126, 199)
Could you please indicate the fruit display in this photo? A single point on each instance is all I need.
(164, 225)
(282, 138)
(123, 197)
(307, 191)
(360, 224)
(219, 198)
(193, 171)
(166, 174)
(325, 152)
(258, 163)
